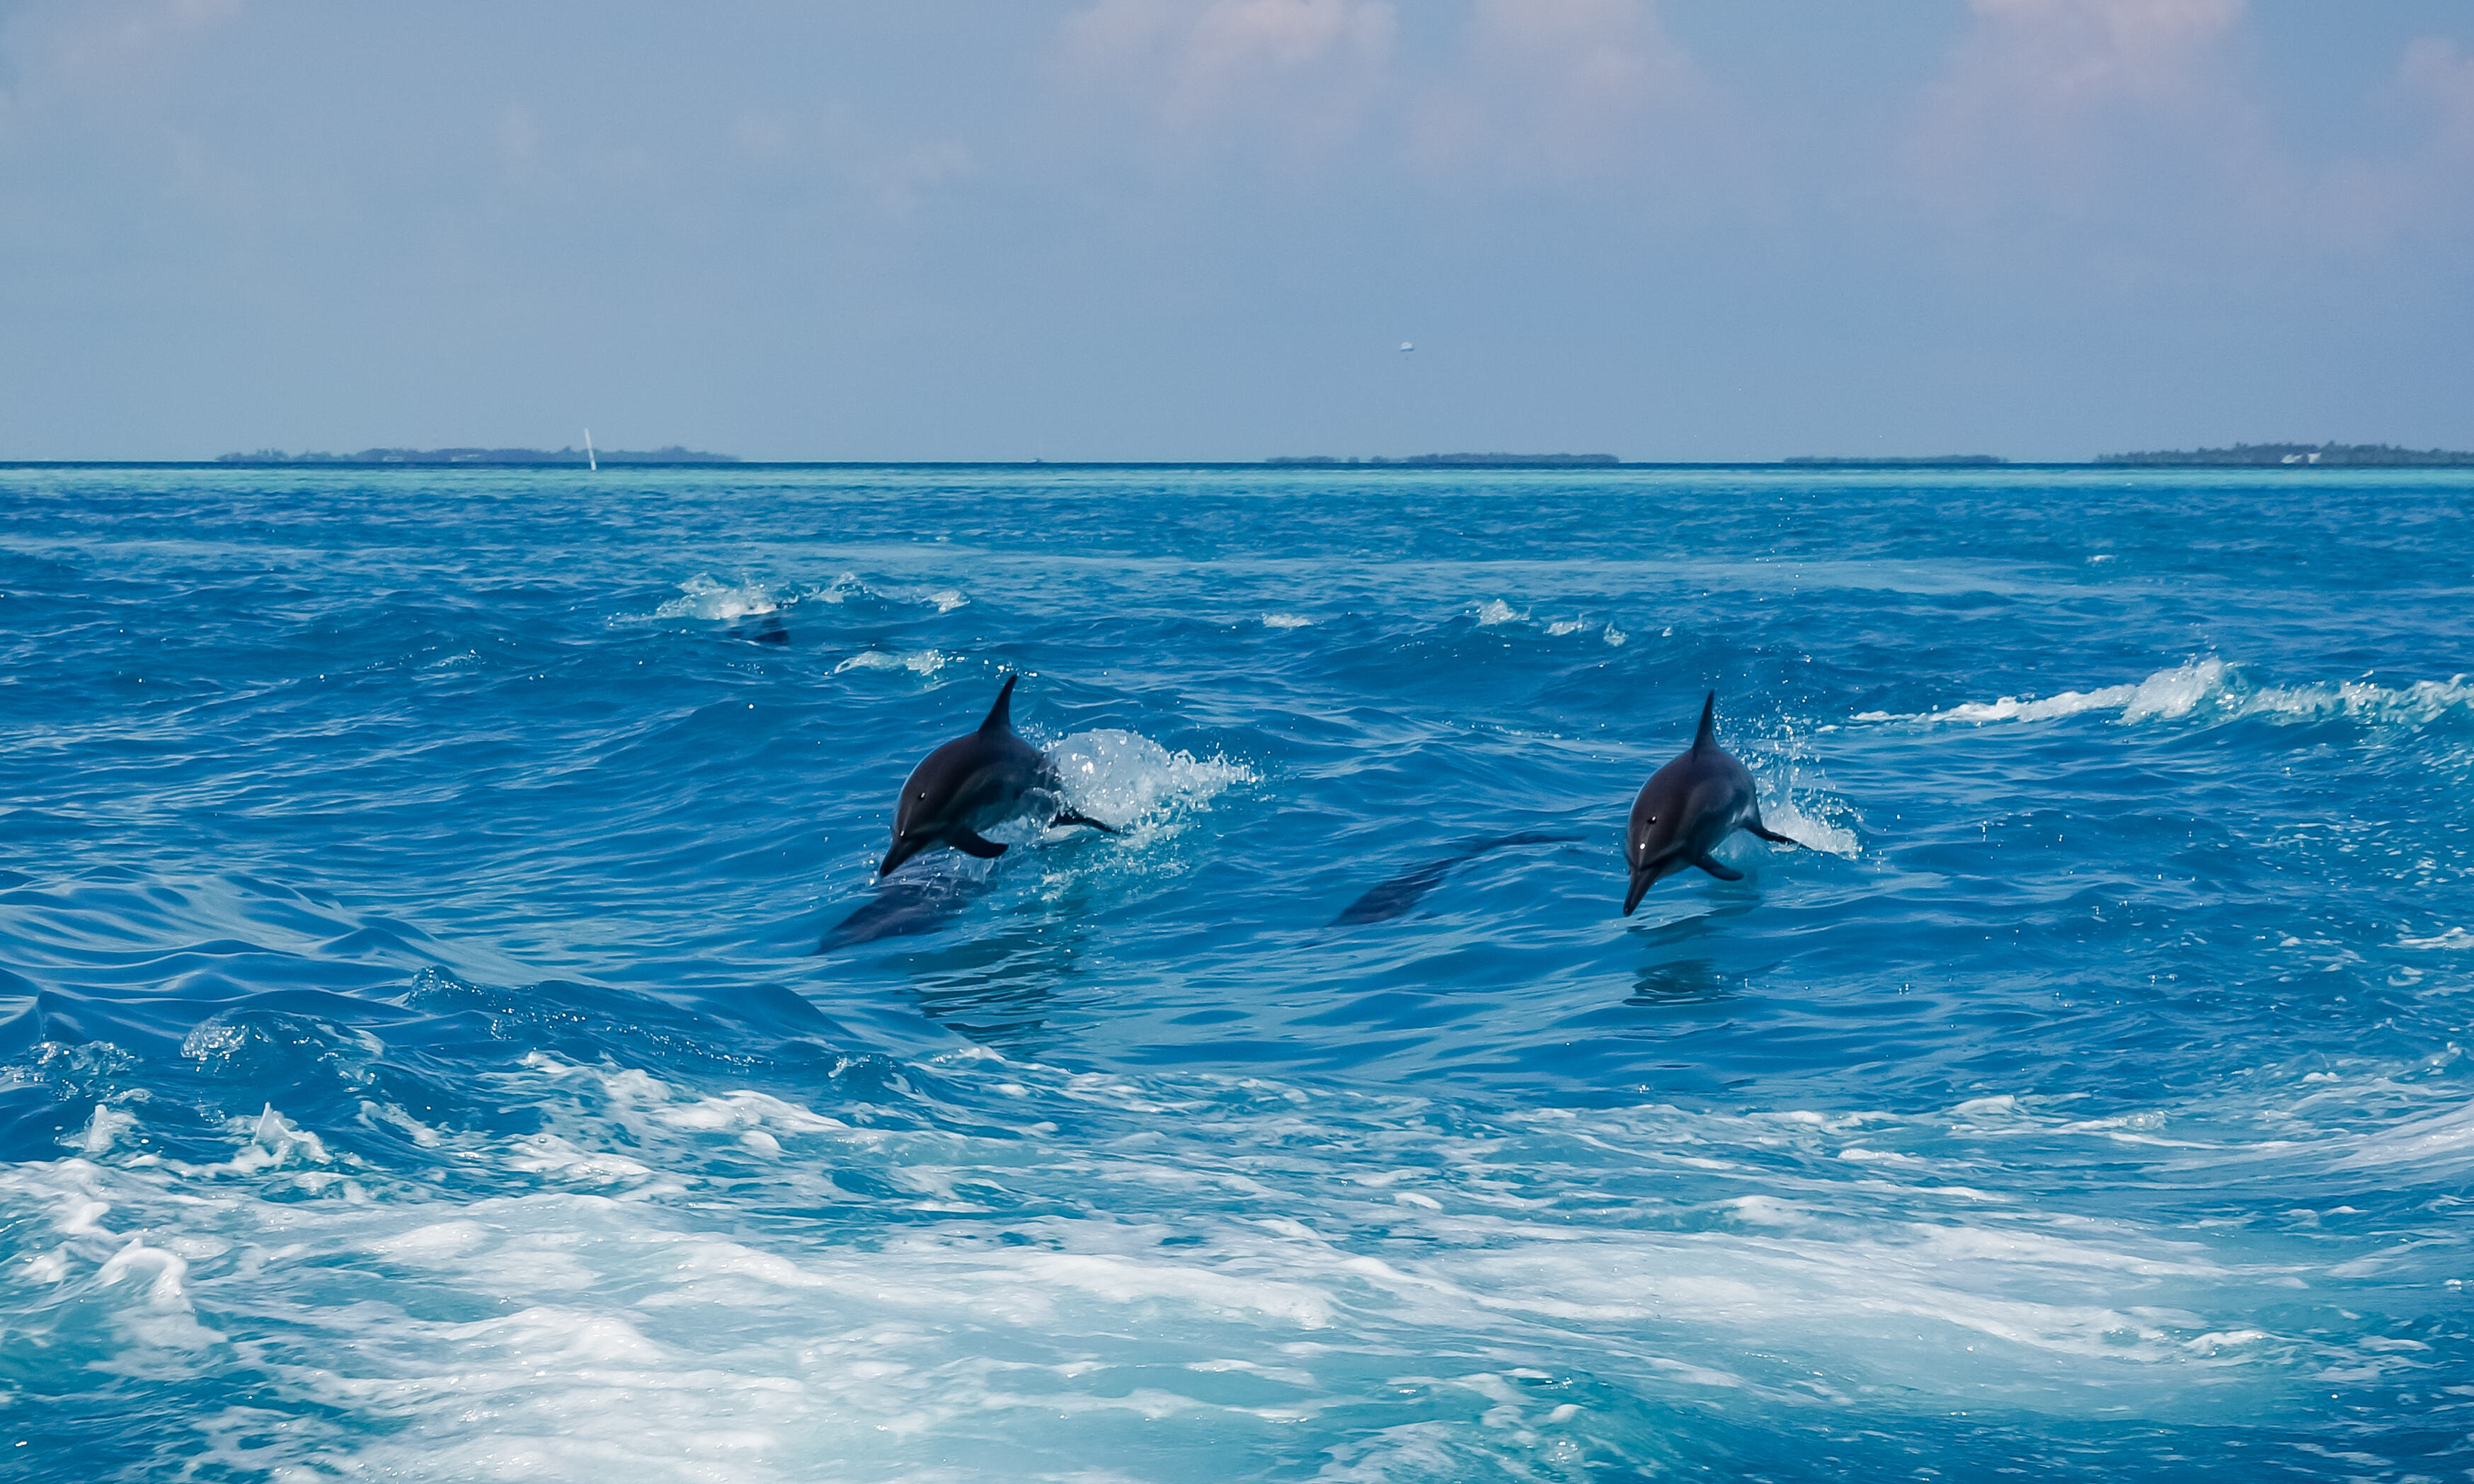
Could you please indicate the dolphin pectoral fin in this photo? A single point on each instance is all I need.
(1070, 817)
(1722, 872)
(1773, 836)
(970, 844)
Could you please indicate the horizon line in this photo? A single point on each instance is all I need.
(1280, 464)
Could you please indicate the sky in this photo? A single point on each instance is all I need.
(1171, 230)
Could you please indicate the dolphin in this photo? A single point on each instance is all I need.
(1686, 807)
(1389, 900)
(978, 779)
(918, 903)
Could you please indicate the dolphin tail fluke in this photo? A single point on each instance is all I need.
(1772, 835)
(1001, 714)
(970, 844)
(1708, 736)
(1722, 872)
(1070, 817)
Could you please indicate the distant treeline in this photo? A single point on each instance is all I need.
(483, 456)
(1924, 461)
(1458, 461)
(2324, 455)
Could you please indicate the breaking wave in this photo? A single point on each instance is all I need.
(704, 597)
(925, 661)
(2215, 688)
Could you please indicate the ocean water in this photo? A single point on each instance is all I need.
(417, 1061)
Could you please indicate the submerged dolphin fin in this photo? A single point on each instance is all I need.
(1070, 817)
(970, 844)
(1772, 835)
(1722, 872)
(1001, 714)
(1708, 736)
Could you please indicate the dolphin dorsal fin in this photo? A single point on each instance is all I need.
(1708, 736)
(1001, 714)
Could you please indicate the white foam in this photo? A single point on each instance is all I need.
(925, 661)
(2174, 692)
(1125, 1281)
(947, 599)
(2446, 1138)
(842, 590)
(1286, 621)
(1124, 778)
(1809, 831)
(1562, 627)
(2211, 683)
(102, 1131)
(2167, 693)
(1495, 610)
(2362, 700)
(633, 1298)
(701, 596)
(2455, 940)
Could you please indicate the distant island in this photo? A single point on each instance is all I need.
(1920, 461)
(2303, 455)
(521, 457)
(1458, 461)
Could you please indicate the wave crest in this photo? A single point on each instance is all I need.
(701, 596)
(926, 662)
(2167, 693)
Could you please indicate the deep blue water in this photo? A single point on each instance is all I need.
(415, 1061)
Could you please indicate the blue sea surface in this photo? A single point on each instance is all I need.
(449, 1030)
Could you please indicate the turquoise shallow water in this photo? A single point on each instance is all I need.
(415, 1061)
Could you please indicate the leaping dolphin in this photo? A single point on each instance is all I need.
(978, 780)
(1686, 807)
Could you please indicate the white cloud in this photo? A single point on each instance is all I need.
(2045, 102)
(106, 48)
(2369, 202)
(2131, 129)
(2068, 53)
(1552, 87)
(1563, 87)
(1305, 71)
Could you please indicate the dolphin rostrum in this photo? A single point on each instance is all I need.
(1686, 807)
(978, 780)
